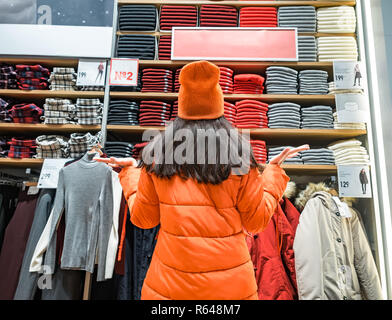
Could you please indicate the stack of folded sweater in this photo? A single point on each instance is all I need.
(8, 77)
(251, 114)
(248, 84)
(157, 80)
(337, 48)
(284, 115)
(137, 18)
(281, 80)
(352, 126)
(26, 113)
(21, 148)
(349, 152)
(259, 150)
(332, 89)
(321, 156)
(230, 112)
(52, 147)
(258, 17)
(174, 111)
(164, 48)
(119, 149)
(33, 77)
(226, 79)
(177, 16)
(274, 151)
(123, 112)
(301, 17)
(317, 117)
(80, 143)
(218, 16)
(341, 19)
(138, 150)
(89, 111)
(307, 49)
(177, 80)
(136, 46)
(154, 113)
(63, 79)
(59, 111)
(313, 82)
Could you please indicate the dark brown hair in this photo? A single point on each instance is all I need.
(164, 145)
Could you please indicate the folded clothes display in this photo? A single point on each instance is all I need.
(138, 149)
(313, 82)
(5, 108)
(157, 80)
(307, 49)
(26, 113)
(63, 79)
(218, 16)
(317, 117)
(89, 111)
(164, 48)
(281, 80)
(259, 150)
(230, 112)
(284, 115)
(32, 77)
(349, 152)
(341, 19)
(258, 17)
(321, 156)
(174, 111)
(251, 114)
(301, 17)
(248, 84)
(80, 143)
(8, 77)
(52, 147)
(4, 147)
(226, 79)
(21, 148)
(136, 46)
(177, 80)
(341, 125)
(59, 111)
(337, 48)
(137, 18)
(274, 151)
(123, 112)
(177, 16)
(332, 89)
(119, 149)
(154, 113)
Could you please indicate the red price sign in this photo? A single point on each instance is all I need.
(124, 72)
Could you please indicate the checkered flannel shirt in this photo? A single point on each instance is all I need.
(35, 68)
(88, 102)
(90, 121)
(5, 111)
(9, 84)
(58, 121)
(52, 146)
(60, 107)
(26, 113)
(57, 101)
(91, 88)
(62, 70)
(62, 88)
(57, 82)
(20, 148)
(59, 76)
(33, 84)
(32, 75)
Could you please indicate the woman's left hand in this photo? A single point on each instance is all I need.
(287, 154)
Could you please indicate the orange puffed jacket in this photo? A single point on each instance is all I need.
(201, 251)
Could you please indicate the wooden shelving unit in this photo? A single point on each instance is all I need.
(39, 128)
(42, 94)
(21, 163)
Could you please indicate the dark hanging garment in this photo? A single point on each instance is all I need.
(8, 197)
(14, 245)
(27, 285)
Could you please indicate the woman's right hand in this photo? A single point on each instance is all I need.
(288, 153)
(118, 162)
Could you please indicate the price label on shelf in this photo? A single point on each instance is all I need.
(91, 73)
(49, 176)
(354, 181)
(348, 75)
(124, 72)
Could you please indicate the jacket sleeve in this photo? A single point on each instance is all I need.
(364, 262)
(307, 252)
(143, 202)
(259, 195)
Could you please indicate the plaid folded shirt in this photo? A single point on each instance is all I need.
(8, 76)
(27, 86)
(60, 107)
(26, 113)
(57, 82)
(91, 88)
(88, 114)
(52, 146)
(59, 76)
(61, 70)
(34, 68)
(60, 114)
(20, 152)
(59, 121)
(51, 154)
(32, 75)
(8, 84)
(90, 121)
(22, 142)
(7, 69)
(57, 101)
(88, 102)
(5, 111)
(62, 88)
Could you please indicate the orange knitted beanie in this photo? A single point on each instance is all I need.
(200, 95)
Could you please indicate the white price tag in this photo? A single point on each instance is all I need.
(348, 75)
(354, 181)
(124, 72)
(91, 73)
(352, 108)
(49, 176)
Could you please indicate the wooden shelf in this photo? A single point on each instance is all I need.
(21, 163)
(317, 4)
(39, 128)
(44, 61)
(42, 94)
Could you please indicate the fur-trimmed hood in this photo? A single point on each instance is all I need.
(291, 190)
